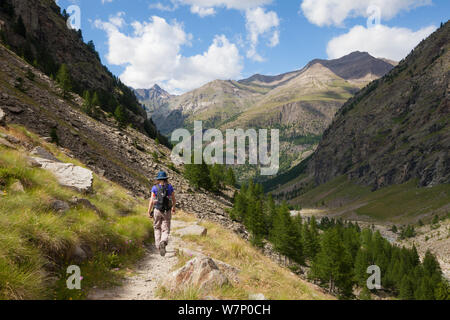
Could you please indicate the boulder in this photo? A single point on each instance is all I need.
(17, 187)
(60, 206)
(231, 272)
(79, 255)
(201, 273)
(69, 175)
(194, 230)
(2, 117)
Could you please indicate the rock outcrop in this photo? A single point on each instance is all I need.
(194, 230)
(69, 175)
(201, 273)
(2, 117)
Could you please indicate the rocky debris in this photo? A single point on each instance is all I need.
(2, 117)
(15, 109)
(194, 230)
(44, 154)
(17, 187)
(59, 206)
(69, 175)
(257, 297)
(7, 144)
(202, 273)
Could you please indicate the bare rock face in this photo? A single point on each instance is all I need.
(194, 230)
(69, 175)
(202, 273)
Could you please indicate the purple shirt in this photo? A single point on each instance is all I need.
(170, 190)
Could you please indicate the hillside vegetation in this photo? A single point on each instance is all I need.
(38, 243)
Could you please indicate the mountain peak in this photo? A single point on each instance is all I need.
(356, 65)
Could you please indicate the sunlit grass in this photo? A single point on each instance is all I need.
(36, 243)
(258, 273)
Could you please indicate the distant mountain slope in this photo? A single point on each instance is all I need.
(385, 145)
(301, 103)
(397, 128)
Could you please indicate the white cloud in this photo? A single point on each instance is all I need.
(152, 54)
(106, 1)
(203, 12)
(229, 4)
(162, 7)
(380, 41)
(261, 23)
(335, 12)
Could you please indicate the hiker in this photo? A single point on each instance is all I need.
(161, 207)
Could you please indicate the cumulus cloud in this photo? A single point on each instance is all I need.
(335, 12)
(261, 23)
(380, 41)
(152, 54)
(203, 12)
(228, 4)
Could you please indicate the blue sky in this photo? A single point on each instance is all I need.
(183, 44)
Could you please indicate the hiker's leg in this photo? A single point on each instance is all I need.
(165, 227)
(157, 223)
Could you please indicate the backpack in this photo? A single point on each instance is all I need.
(163, 201)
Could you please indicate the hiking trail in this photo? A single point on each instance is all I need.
(148, 273)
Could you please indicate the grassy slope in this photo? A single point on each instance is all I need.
(258, 273)
(36, 242)
(397, 203)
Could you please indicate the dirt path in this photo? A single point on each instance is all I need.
(148, 273)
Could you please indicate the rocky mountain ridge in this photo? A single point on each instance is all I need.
(38, 31)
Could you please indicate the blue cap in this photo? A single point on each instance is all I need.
(162, 176)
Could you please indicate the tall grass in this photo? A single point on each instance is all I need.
(258, 273)
(36, 243)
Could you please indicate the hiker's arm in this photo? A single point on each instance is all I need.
(174, 203)
(150, 206)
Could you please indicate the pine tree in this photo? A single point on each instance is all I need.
(406, 289)
(120, 116)
(230, 178)
(63, 78)
(216, 174)
(87, 104)
(311, 239)
(333, 264)
(198, 175)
